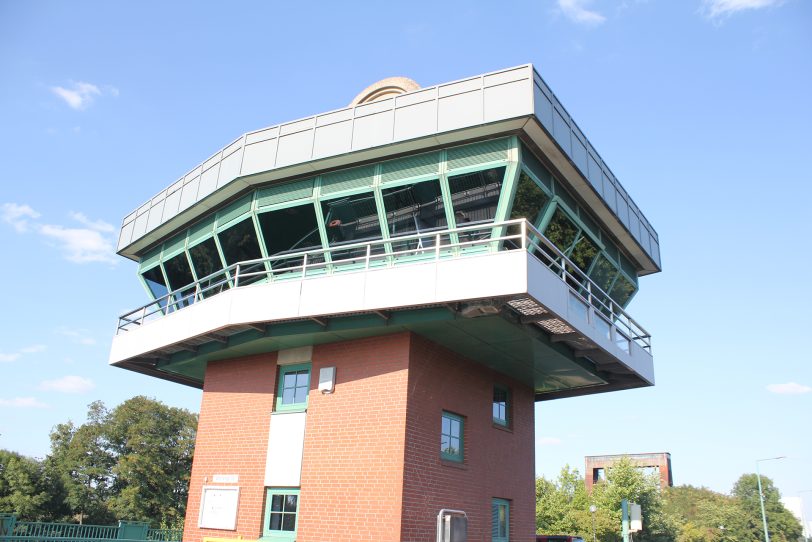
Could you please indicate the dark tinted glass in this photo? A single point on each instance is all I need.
(475, 195)
(155, 281)
(293, 229)
(584, 253)
(353, 218)
(414, 208)
(206, 260)
(529, 200)
(561, 231)
(178, 271)
(239, 242)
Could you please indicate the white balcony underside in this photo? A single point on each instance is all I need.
(505, 275)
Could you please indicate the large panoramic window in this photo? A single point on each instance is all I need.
(290, 230)
(281, 512)
(239, 243)
(530, 200)
(475, 195)
(414, 209)
(179, 274)
(206, 260)
(154, 279)
(351, 219)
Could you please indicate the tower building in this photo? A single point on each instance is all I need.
(373, 299)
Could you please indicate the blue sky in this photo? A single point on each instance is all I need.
(701, 108)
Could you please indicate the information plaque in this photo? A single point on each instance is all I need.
(218, 508)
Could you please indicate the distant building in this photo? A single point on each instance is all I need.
(660, 464)
(373, 299)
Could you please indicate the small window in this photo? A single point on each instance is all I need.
(501, 406)
(281, 511)
(452, 444)
(294, 385)
(500, 520)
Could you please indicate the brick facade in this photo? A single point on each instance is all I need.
(371, 467)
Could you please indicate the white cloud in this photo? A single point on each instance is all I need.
(14, 356)
(79, 336)
(98, 225)
(68, 384)
(790, 388)
(23, 402)
(17, 215)
(79, 96)
(577, 12)
(548, 441)
(93, 243)
(717, 9)
(81, 245)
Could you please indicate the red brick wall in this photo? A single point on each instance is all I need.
(352, 469)
(232, 438)
(498, 463)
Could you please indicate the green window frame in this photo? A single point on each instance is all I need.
(293, 387)
(501, 406)
(281, 517)
(452, 437)
(500, 520)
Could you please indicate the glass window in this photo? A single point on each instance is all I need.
(294, 385)
(561, 231)
(451, 437)
(281, 511)
(501, 405)
(239, 243)
(206, 260)
(155, 282)
(351, 219)
(584, 252)
(500, 520)
(622, 291)
(530, 200)
(475, 195)
(413, 209)
(290, 230)
(179, 274)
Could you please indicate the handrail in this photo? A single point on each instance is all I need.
(510, 235)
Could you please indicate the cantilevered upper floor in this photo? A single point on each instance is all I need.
(465, 212)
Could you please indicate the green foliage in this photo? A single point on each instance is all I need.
(677, 514)
(26, 489)
(132, 462)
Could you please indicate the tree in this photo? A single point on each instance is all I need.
(26, 490)
(704, 515)
(783, 526)
(132, 462)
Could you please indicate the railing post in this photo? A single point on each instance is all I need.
(237, 276)
(369, 251)
(143, 315)
(304, 266)
(524, 234)
(437, 247)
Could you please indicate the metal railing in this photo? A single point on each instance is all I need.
(12, 530)
(586, 296)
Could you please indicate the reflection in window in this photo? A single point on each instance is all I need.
(206, 260)
(584, 252)
(530, 200)
(155, 282)
(475, 195)
(622, 291)
(414, 208)
(281, 509)
(290, 230)
(561, 231)
(239, 243)
(351, 219)
(179, 274)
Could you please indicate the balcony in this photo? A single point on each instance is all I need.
(499, 293)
